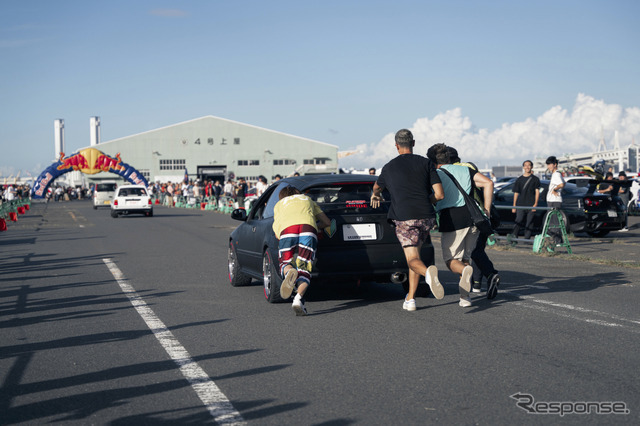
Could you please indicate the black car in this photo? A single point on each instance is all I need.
(583, 209)
(364, 247)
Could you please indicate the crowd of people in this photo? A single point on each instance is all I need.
(9, 192)
(196, 191)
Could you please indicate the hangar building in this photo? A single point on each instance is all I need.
(215, 148)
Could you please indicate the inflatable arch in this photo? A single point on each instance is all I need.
(89, 161)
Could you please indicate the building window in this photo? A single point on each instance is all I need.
(173, 164)
(283, 162)
(236, 141)
(243, 162)
(248, 162)
(309, 161)
(254, 162)
(145, 173)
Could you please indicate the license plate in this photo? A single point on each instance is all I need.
(107, 202)
(612, 213)
(359, 232)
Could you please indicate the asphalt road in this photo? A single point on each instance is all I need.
(133, 321)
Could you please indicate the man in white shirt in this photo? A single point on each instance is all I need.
(554, 196)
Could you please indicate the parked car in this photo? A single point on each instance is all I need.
(103, 193)
(583, 209)
(364, 247)
(131, 199)
(502, 182)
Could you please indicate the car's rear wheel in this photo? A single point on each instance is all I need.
(236, 278)
(114, 214)
(271, 279)
(149, 213)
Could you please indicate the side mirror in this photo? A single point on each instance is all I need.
(239, 214)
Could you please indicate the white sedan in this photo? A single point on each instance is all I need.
(131, 199)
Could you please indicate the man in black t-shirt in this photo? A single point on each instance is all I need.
(526, 191)
(414, 186)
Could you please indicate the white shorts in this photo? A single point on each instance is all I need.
(459, 244)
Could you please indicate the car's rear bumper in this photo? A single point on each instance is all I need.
(139, 210)
(373, 262)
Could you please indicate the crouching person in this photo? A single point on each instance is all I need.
(294, 224)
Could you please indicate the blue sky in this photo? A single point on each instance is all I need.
(475, 74)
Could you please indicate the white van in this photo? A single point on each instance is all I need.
(103, 193)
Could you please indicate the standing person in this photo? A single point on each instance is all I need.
(606, 188)
(217, 191)
(294, 223)
(458, 235)
(241, 192)
(169, 199)
(483, 266)
(261, 186)
(554, 196)
(414, 186)
(228, 188)
(526, 192)
(624, 194)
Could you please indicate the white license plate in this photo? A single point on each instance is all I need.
(359, 232)
(612, 213)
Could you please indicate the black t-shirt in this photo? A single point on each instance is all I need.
(526, 189)
(409, 177)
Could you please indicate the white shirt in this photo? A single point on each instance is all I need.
(260, 188)
(556, 179)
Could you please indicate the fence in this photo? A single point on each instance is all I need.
(223, 204)
(11, 210)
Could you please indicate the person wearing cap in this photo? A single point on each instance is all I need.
(483, 266)
(414, 186)
(554, 195)
(458, 235)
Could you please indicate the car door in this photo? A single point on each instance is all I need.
(256, 231)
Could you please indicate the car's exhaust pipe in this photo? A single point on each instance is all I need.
(398, 277)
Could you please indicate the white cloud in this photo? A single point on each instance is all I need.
(555, 132)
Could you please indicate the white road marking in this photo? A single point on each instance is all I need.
(214, 400)
(576, 312)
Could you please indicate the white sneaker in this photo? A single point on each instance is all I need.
(625, 229)
(409, 305)
(288, 283)
(298, 306)
(465, 278)
(434, 282)
(465, 302)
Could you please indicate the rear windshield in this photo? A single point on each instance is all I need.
(347, 198)
(126, 192)
(106, 187)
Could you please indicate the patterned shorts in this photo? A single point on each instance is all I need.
(297, 247)
(414, 232)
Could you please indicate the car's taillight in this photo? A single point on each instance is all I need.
(592, 202)
(115, 202)
(149, 201)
